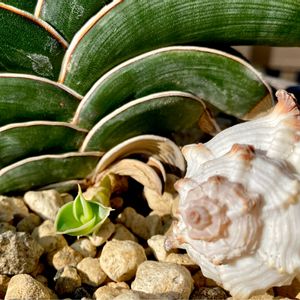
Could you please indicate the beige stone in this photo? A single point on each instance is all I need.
(67, 281)
(29, 223)
(118, 285)
(154, 224)
(120, 259)
(14, 250)
(44, 203)
(128, 295)
(64, 257)
(103, 234)
(182, 259)
(135, 222)
(156, 243)
(46, 236)
(159, 277)
(91, 272)
(23, 286)
(107, 293)
(11, 207)
(123, 234)
(85, 247)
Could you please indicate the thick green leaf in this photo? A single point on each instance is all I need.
(162, 113)
(68, 16)
(21, 140)
(29, 98)
(125, 29)
(43, 170)
(28, 5)
(223, 80)
(29, 45)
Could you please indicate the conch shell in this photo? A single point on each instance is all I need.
(239, 209)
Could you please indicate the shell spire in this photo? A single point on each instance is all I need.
(277, 134)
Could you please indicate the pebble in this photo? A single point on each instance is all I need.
(29, 223)
(120, 259)
(143, 227)
(19, 253)
(182, 259)
(205, 293)
(159, 277)
(123, 234)
(23, 286)
(46, 236)
(91, 272)
(63, 257)
(11, 207)
(118, 285)
(128, 295)
(67, 281)
(103, 234)
(85, 247)
(107, 293)
(4, 226)
(156, 243)
(44, 203)
(4, 280)
(135, 222)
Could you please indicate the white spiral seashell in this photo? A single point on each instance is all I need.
(239, 208)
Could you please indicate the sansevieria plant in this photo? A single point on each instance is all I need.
(86, 83)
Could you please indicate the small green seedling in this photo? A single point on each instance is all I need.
(82, 216)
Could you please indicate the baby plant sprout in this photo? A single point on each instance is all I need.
(85, 216)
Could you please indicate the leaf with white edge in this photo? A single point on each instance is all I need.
(21, 140)
(38, 171)
(29, 45)
(29, 98)
(139, 171)
(161, 148)
(221, 79)
(65, 186)
(67, 16)
(162, 114)
(28, 5)
(128, 28)
(81, 216)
